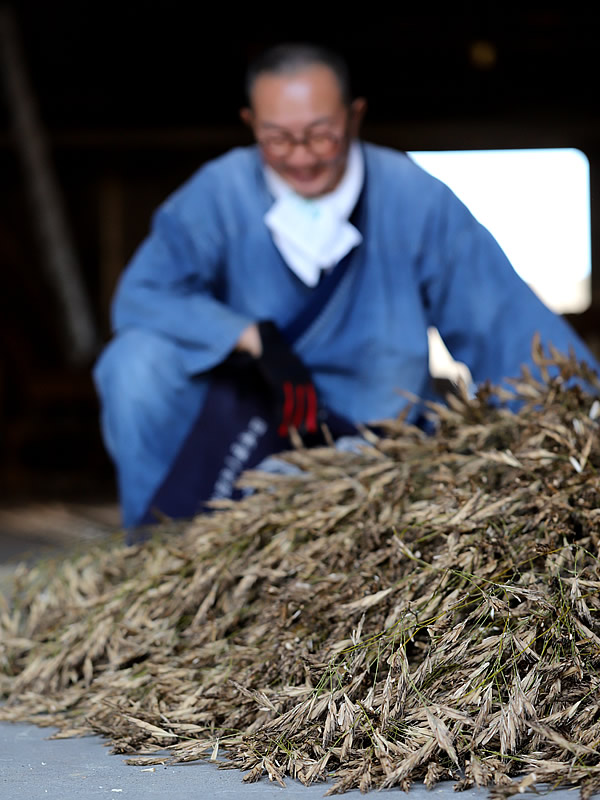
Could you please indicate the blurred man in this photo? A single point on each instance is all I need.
(312, 264)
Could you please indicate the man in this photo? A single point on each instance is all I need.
(238, 253)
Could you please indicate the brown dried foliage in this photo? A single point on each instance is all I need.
(426, 609)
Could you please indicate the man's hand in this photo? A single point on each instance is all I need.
(289, 379)
(250, 341)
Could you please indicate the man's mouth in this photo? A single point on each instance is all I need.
(305, 175)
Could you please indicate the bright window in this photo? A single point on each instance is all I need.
(536, 203)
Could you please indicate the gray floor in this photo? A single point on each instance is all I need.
(34, 767)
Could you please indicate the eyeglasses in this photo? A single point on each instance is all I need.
(322, 144)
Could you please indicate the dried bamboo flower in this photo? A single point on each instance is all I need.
(427, 608)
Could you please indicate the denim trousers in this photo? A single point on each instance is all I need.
(148, 403)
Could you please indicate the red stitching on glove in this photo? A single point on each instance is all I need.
(311, 409)
(299, 410)
(288, 408)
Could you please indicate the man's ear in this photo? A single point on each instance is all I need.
(247, 117)
(358, 109)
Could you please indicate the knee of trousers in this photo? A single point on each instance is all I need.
(142, 385)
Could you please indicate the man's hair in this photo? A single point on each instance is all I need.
(287, 59)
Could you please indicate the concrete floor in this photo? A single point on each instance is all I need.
(34, 530)
(34, 767)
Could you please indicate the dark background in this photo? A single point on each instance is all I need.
(133, 97)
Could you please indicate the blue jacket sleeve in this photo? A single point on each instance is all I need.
(485, 313)
(174, 281)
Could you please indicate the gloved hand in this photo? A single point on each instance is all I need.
(290, 381)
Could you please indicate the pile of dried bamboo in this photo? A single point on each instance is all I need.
(426, 609)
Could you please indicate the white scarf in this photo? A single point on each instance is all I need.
(314, 234)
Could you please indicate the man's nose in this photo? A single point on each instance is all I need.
(300, 156)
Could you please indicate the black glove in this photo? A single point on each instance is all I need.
(238, 361)
(289, 380)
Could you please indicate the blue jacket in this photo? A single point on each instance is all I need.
(209, 267)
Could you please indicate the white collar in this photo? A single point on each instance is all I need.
(314, 234)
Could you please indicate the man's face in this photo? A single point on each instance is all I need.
(303, 127)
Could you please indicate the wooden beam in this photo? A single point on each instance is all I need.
(58, 252)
